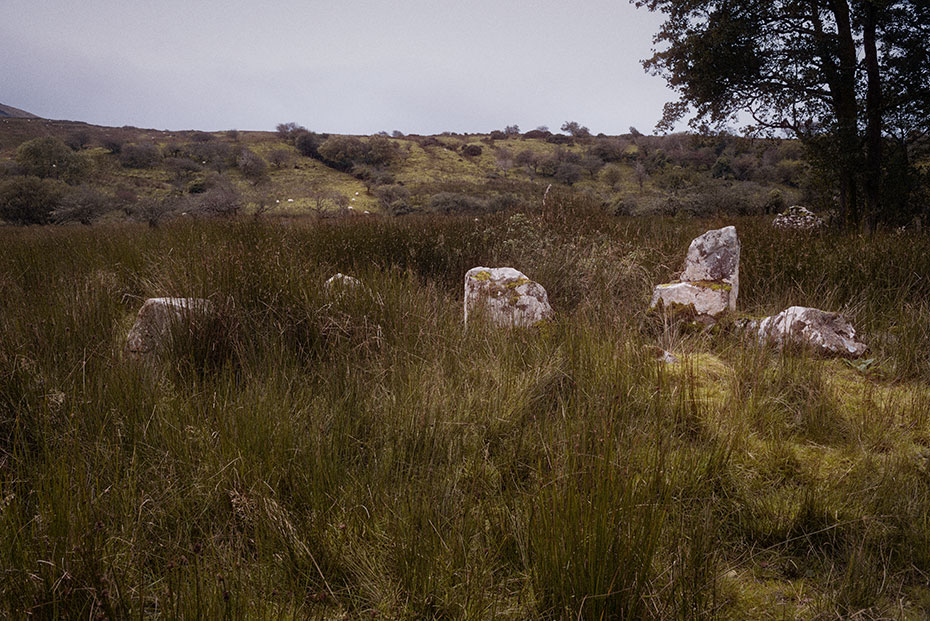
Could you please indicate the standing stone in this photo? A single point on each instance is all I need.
(709, 284)
(505, 297)
(155, 318)
(828, 334)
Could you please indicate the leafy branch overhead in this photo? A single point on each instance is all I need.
(850, 78)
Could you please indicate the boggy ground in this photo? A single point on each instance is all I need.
(299, 456)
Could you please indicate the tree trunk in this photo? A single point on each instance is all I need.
(873, 131)
(844, 103)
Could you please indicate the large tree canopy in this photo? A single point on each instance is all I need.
(845, 76)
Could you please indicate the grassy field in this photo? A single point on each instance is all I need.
(304, 456)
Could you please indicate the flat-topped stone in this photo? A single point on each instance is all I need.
(505, 297)
(697, 299)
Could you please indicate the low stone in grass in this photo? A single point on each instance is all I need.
(155, 319)
(505, 297)
(828, 334)
(689, 299)
(798, 218)
(341, 281)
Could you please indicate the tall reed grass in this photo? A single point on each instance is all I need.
(308, 455)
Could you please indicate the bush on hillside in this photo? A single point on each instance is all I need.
(394, 199)
(51, 158)
(279, 158)
(471, 150)
(539, 134)
(454, 203)
(221, 198)
(252, 166)
(290, 131)
(560, 139)
(142, 155)
(308, 143)
(30, 199)
(83, 204)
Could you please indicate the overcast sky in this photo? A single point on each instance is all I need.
(344, 66)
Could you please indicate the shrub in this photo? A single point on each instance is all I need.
(512, 130)
(382, 151)
(568, 173)
(454, 203)
(51, 158)
(30, 199)
(290, 131)
(609, 149)
(217, 155)
(394, 199)
(221, 198)
(83, 204)
(279, 158)
(560, 139)
(612, 175)
(78, 139)
(498, 135)
(252, 166)
(308, 143)
(142, 155)
(343, 152)
(575, 129)
(113, 145)
(471, 150)
(540, 134)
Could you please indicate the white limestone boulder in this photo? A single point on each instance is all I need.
(691, 299)
(156, 318)
(798, 218)
(709, 284)
(505, 297)
(714, 257)
(828, 334)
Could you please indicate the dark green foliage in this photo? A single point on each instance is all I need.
(51, 158)
(308, 143)
(452, 203)
(30, 200)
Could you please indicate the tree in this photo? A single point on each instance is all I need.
(575, 129)
(289, 131)
(807, 68)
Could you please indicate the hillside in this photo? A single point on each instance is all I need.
(11, 112)
(447, 173)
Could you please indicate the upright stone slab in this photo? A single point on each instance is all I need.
(505, 297)
(828, 334)
(709, 284)
(155, 318)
